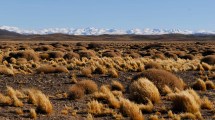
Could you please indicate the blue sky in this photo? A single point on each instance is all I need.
(119, 14)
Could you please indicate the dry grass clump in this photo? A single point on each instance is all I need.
(6, 71)
(111, 54)
(75, 92)
(78, 90)
(153, 117)
(88, 85)
(171, 55)
(146, 107)
(100, 69)
(86, 71)
(206, 66)
(161, 78)
(131, 109)
(184, 102)
(116, 85)
(87, 53)
(206, 103)
(98, 109)
(166, 90)
(71, 55)
(51, 69)
(199, 85)
(19, 111)
(188, 56)
(142, 89)
(12, 93)
(33, 113)
(209, 85)
(74, 78)
(210, 59)
(5, 100)
(153, 65)
(113, 73)
(20, 61)
(55, 54)
(188, 115)
(44, 56)
(40, 100)
(27, 54)
(108, 96)
(159, 56)
(44, 48)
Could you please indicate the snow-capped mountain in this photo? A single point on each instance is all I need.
(96, 31)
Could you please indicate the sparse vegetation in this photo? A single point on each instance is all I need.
(107, 80)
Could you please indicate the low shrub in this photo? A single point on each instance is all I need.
(142, 89)
(184, 102)
(88, 85)
(75, 92)
(71, 55)
(154, 65)
(161, 78)
(199, 85)
(50, 69)
(210, 59)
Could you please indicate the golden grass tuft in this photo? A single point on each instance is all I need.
(116, 85)
(142, 89)
(12, 93)
(19, 111)
(33, 113)
(209, 85)
(131, 109)
(199, 85)
(146, 107)
(5, 100)
(206, 103)
(55, 54)
(167, 90)
(27, 54)
(206, 66)
(86, 71)
(113, 73)
(210, 59)
(154, 65)
(50, 69)
(40, 100)
(100, 69)
(184, 102)
(74, 79)
(90, 117)
(188, 115)
(153, 117)
(112, 100)
(6, 71)
(195, 95)
(71, 55)
(44, 104)
(75, 92)
(161, 78)
(88, 85)
(98, 109)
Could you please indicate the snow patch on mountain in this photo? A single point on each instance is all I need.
(101, 31)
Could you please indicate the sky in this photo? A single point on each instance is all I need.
(118, 14)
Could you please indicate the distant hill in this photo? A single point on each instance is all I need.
(8, 33)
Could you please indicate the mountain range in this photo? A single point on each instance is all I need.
(102, 31)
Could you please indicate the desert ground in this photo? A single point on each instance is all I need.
(107, 79)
